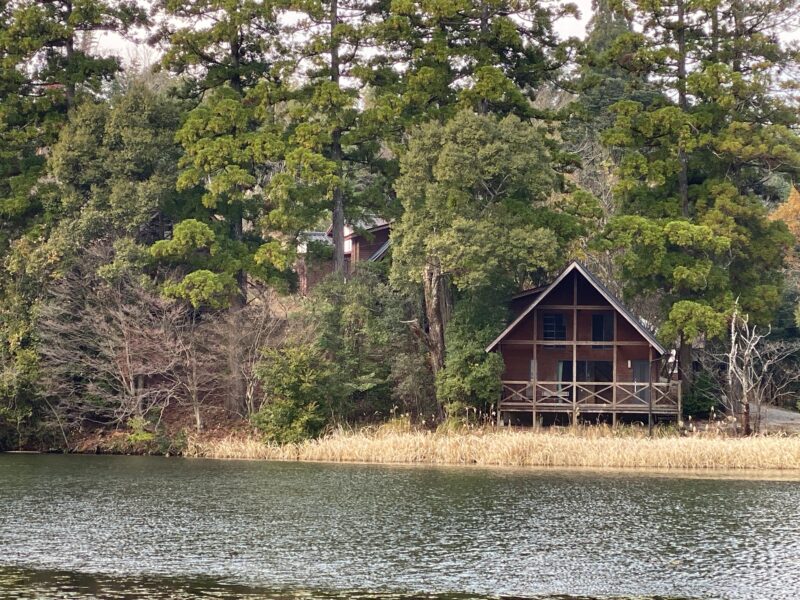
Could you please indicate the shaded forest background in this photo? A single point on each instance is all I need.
(150, 217)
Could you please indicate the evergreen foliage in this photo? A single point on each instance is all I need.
(693, 178)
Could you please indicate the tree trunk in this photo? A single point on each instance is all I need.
(235, 54)
(235, 394)
(195, 381)
(715, 34)
(336, 153)
(747, 428)
(236, 213)
(683, 160)
(438, 307)
(738, 28)
(197, 420)
(338, 211)
(237, 233)
(69, 50)
(483, 106)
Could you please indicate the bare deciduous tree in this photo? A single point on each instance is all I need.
(751, 371)
(106, 348)
(198, 375)
(244, 335)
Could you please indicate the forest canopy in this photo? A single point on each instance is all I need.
(155, 219)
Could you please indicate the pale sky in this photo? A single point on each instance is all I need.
(138, 50)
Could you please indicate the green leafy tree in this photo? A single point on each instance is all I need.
(331, 123)
(47, 66)
(479, 215)
(693, 175)
(298, 383)
(223, 50)
(360, 325)
(471, 377)
(115, 168)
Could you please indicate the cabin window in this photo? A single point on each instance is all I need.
(602, 328)
(554, 327)
(590, 371)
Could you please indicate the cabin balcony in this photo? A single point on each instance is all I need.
(661, 398)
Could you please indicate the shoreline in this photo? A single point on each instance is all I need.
(583, 449)
(741, 474)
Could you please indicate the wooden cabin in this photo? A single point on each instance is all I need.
(573, 351)
(370, 242)
(367, 241)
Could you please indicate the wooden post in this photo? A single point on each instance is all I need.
(534, 424)
(680, 407)
(614, 376)
(574, 349)
(650, 391)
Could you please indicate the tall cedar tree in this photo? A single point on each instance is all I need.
(47, 66)
(694, 173)
(488, 55)
(222, 50)
(602, 81)
(330, 143)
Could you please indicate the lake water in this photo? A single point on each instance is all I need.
(129, 527)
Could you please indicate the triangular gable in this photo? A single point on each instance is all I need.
(381, 252)
(615, 303)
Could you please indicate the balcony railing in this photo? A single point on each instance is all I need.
(591, 396)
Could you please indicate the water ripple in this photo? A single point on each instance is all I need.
(278, 530)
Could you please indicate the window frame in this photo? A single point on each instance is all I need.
(606, 329)
(554, 330)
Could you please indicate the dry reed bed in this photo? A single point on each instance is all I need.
(520, 448)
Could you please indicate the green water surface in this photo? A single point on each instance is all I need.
(131, 527)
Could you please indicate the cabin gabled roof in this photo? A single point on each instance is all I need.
(611, 298)
(380, 252)
(365, 225)
(530, 292)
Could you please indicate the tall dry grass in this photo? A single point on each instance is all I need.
(592, 447)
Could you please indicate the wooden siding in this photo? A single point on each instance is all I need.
(531, 380)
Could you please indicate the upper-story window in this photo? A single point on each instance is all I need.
(554, 327)
(602, 328)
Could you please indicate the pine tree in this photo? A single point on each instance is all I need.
(692, 179)
(223, 50)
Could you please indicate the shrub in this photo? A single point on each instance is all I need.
(139, 433)
(362, 325)
(702, 397)
(288, 422)
(298, 383)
